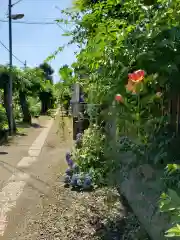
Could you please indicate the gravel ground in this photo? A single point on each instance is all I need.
(76, 215)
(87, 215)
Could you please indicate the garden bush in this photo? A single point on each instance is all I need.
(90, 155)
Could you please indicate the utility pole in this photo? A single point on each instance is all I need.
(10, 110)
(25, 64)
(10, 83)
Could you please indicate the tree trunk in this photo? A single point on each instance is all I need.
(6, 106)
(43, 107)
(44, 97)
(24, 107)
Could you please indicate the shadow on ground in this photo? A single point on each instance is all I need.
(123, 225)
(112, 229)
(8, 167)
(5, 139)
(3, 153)
(25, 125)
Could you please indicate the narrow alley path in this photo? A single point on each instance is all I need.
(27, 177)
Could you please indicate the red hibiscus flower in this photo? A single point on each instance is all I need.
(133, 79)
(136, 76)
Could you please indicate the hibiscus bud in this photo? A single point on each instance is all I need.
(119, 98)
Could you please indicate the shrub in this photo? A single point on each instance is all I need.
(90, 156)
(3, 118)
(170, 203)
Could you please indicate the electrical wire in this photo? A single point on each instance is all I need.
(16, 3)
(37, 23)
(41, 0)
(12, 54)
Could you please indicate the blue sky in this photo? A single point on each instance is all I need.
(34, 43)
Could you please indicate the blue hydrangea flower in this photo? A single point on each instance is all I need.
(87, 182)
(69, 160)
(79, 182)
(78, 136)
(75, 168)
(67, 179)
(74, 180)
(69, 172)
(68, 155)
(81, 99)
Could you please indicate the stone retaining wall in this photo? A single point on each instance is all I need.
(143, 196)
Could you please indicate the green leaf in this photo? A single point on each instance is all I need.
(174, 231)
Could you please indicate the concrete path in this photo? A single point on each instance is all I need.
(27, 177)
(18, 147)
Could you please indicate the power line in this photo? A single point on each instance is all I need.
(16, 3)
(37, 23)
(12, 54)
(41, 0)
